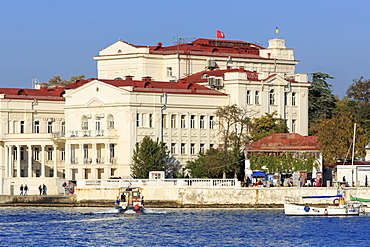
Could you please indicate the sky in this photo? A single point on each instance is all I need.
(42, 38)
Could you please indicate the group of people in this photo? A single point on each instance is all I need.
(24, 189)
(42, 189)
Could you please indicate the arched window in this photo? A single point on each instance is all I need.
(110, 120)
(84, 123)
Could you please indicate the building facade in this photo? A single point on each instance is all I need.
(89, 129)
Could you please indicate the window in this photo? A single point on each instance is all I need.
(63, 127)
(257, 98)
(50, 154)
(192, 121)
(285, 98)
(111, 152)
(183, 151)
(150, 120)
(36, 154)
(63, 154)
(294, 123)
(173, 121)
(201, 122)
(211, 122)
(110, 122)
(22, 153)
(201, 148)
(37, 127)
(164, 120)
(73, 154)
(137, 119)
(183, 121)
(173, 148)
(249, 97)
(211, 146)
(22, 127)
(86, 153)
(50, 127)
(192, 148)
(272, 97)
(84, 123)
(294, 96)
(169, 71)
(15, 153)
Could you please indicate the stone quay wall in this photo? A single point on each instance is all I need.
(270, 197)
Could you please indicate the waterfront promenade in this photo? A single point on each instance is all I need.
(172, 193)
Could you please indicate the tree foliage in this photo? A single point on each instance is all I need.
(283, 162)
(148, 156)
(58, 81)
(233, 125)
(321, 101)
(267, 125)
(359, 90)
(335, 135)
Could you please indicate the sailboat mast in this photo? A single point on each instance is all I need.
(353, 152)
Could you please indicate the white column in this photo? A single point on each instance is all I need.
(7, 161)
(67, 155)
(10, 161)
(18, 161)
(107, 157)
(55, 161)
(94, 156)
(29, 147)
(81, 159)
(42, 161)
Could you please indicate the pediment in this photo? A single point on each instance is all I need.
(94, 102)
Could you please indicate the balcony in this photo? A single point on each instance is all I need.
(91, 133)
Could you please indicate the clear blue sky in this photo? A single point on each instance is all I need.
(43, 38)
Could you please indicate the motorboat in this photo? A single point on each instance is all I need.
(338, 208)
(364, 203)
(130, 200)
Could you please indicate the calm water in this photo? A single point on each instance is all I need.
(176, 227)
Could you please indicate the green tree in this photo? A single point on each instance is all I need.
(359, 90)
(207, 165)
(282, 162)
(321, 101)
(58, 81)
(148, 156)
(335, 135)
(267, 125)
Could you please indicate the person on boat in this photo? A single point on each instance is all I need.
(118, 201)
(142, 201)
(123, 197)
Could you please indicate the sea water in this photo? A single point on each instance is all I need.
(54, 226)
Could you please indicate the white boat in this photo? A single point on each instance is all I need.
(130, 200)
(338, 208)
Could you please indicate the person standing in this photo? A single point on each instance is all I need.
(40, 189)
(21, 189)
(25, 190)
(44, 189)
(365, 180)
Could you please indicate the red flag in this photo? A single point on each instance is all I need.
(220, 35)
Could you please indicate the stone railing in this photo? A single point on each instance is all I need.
(180, 183)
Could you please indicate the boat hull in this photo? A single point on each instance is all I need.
(130, 210)
(300, 210)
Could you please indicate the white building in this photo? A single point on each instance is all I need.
(89, 129)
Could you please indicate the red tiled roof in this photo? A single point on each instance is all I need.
(203, 75)
(53, 94)
(212, 46)
(147, 85)
(284, 142)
